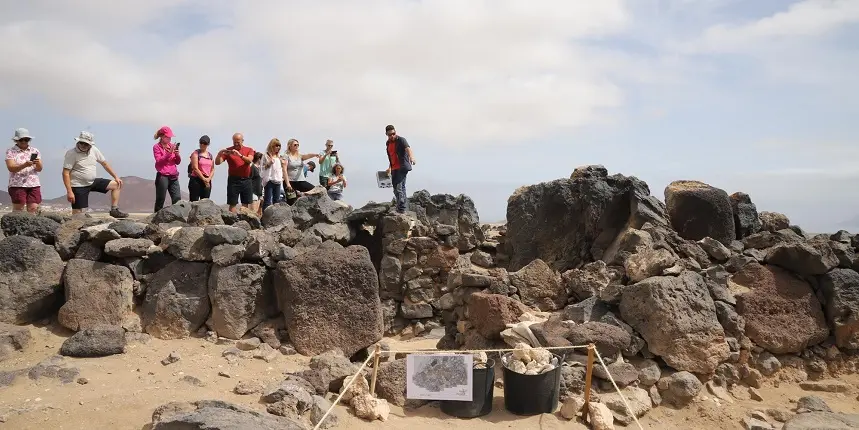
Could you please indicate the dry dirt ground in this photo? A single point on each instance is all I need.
(123, 390)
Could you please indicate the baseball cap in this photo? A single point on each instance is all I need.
(165, 131)
(204, 139)
(21, 133)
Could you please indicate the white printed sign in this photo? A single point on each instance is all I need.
(439, 377)
(384, 180)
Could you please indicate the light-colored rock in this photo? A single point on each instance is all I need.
(571, 407)
(370, 408)
(600, 416)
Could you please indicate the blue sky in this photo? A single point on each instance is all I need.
(759, 97)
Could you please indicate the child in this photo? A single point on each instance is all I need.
(337, 182)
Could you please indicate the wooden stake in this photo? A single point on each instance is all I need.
(588, 375)
(376, 353)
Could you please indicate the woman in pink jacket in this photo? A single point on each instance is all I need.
(166, 159)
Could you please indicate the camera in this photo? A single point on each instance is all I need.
(34, 157)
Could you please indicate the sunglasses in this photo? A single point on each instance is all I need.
(26, 139)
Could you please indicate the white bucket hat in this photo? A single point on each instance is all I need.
(21, 133)
(85, 137)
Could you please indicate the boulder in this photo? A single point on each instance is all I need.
(189, 244)
(205, 212)
(177, 212)
(124, 247)
(242, 297)
(177, 300)
(216, 415)
(746, 219)
(227, 255)
(277, 217)
(13, 338)
(539, 286)
(261, 245)
(330, 299)
(811, 404)
(224, 235)
(781, 311)
(453, 216)
(26, 224)
(96, 294)
(391, 384)
(129, 229)
(568, 222)
(30, 280)
(774, 221)
(715, 249)
(812, 258)
(677, 318)
(317, 207)
(647, 263)
(697, 210)
(490, 313)
(588, 281)
(680, 388)
(608, 339)
(840, 289)
(637, 399)
(69, 236)
(390, 278)
(822, 421)
(97, 341)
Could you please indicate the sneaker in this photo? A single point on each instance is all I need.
(116, 213)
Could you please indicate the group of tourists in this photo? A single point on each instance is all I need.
(255, 180)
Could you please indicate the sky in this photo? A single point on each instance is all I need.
(760, 97)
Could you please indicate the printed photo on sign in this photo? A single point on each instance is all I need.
(439, 377)
(384, 180)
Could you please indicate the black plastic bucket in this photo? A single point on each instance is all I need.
(483, 391)
(532, 394)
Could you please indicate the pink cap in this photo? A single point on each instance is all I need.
(165, 131)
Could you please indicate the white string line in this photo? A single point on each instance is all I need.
(611, 379)
(343, 391)
(466, 351)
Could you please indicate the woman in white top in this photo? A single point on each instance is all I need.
(336, 182)
(272, 174)
(294, 179)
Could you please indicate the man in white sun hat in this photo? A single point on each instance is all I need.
(79, 176)
(24, 164)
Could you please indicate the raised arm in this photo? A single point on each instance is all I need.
(306, 157)
(14, 167)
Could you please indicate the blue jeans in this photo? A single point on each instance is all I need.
(398, 180)
(272, 194)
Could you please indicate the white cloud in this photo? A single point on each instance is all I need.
(450, 71)
(808, 18)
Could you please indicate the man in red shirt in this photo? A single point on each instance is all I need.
(239, 159)
(400, 161)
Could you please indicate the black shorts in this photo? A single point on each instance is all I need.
(239, 188)
(82, 193)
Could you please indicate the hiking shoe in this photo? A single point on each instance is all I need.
(116, 213)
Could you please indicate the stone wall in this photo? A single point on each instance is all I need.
(704, 287)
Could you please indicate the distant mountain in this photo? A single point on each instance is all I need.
(5, 199)
(138, 196)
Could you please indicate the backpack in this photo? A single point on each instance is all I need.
(191, 167)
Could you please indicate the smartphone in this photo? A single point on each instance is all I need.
(177, 144)
(333, 152)
(33, 157)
